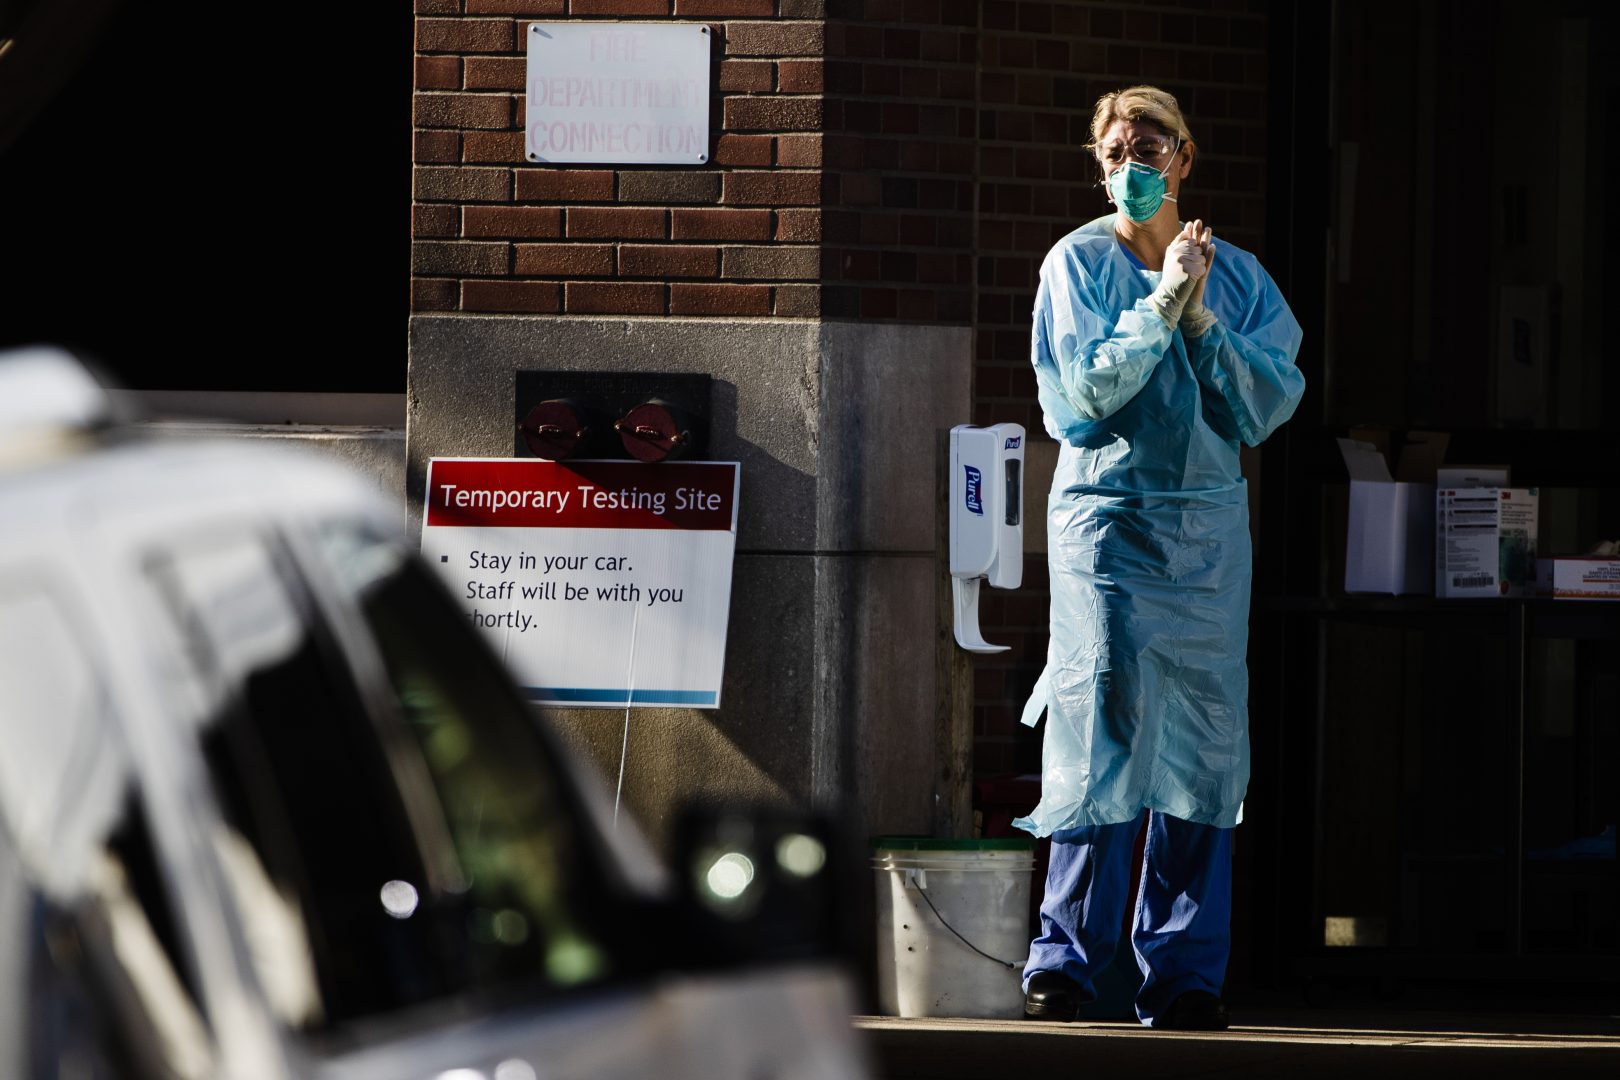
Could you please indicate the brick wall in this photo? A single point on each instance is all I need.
(737, 238)
(902, 160)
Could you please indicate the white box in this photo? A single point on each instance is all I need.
(1579, 577)
(1485, 541)
(1389, 545)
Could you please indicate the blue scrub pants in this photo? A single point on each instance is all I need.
(1182, 931)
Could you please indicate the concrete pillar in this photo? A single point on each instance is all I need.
(830, 694)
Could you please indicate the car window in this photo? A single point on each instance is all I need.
(316, 840)
(317, 778)
(67, 792)
(534, 900)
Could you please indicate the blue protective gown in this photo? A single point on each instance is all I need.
(1146, 684)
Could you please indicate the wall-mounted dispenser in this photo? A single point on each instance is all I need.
(987, 526)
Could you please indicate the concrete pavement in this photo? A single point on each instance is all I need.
(1317, 1044)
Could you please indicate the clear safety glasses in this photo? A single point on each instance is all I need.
(1154, 150)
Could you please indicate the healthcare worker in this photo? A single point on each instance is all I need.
(1157, 352)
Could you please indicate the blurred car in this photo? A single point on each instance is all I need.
(270, 808)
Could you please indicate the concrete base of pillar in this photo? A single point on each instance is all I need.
(830, 696)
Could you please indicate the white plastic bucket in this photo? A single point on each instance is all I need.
(926, 889)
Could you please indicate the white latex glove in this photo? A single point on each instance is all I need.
(1183, 267)
(1196, 319)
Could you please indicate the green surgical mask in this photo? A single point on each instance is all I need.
(1139, 190)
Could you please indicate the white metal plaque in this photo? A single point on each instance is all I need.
(633, 93)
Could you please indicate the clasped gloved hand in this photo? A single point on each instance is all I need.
(1196, 319)
(1184, 268)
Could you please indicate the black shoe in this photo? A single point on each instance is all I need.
(1196, 1010)
(1052, 996)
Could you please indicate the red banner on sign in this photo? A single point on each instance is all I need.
(525, 494)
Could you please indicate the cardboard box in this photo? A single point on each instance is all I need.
(1473, 476)
(1485, 541)
(1390, 538)
(1579, 577)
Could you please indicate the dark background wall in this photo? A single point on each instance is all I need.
(220, 204)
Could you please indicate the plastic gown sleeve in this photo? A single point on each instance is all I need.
(1250, 383)
(1089, 362)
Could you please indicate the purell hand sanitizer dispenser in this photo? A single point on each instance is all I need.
(987, 527)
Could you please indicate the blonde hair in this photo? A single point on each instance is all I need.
(1139, 103)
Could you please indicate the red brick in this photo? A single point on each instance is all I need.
(564, 185)
(856, 40)
(861, 116)
(798, 301)
(462, 110)
(688, 299)
(619, 7)
(800, 76)
(901, 43)
(525, 297)
(431, 147)
(771, 262)
(526, 222)
(669, 186)
(880, 80)
(918, 230)
(918, 156)
(464, 35)
(492, 146)
(798, 226)
(773, 114)
(435, 219)
(563, 260)
(630, 223)
(743, 150)
(860, 190)
(921, 82)
(434, 294)
(803, 9)
(496, 72)
(941, 45)
(900, 119)
(442, 183)
(939, 268)
(721, 224)
(855, 265)
(613, 298)
(455, 257)
(514, 7)
(699, 9)
(878, 303)
(746, 75)
(773, 39)
(998, 87)
(1109, 24)
(842, 151)
(1070, 20)
(770, 189)
(799, 151)
(880, 228)
(989, 381)
(1010, 52)
(668, 260)
(438, 7)
(438, 73)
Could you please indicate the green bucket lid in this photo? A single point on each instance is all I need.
(931, 843)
